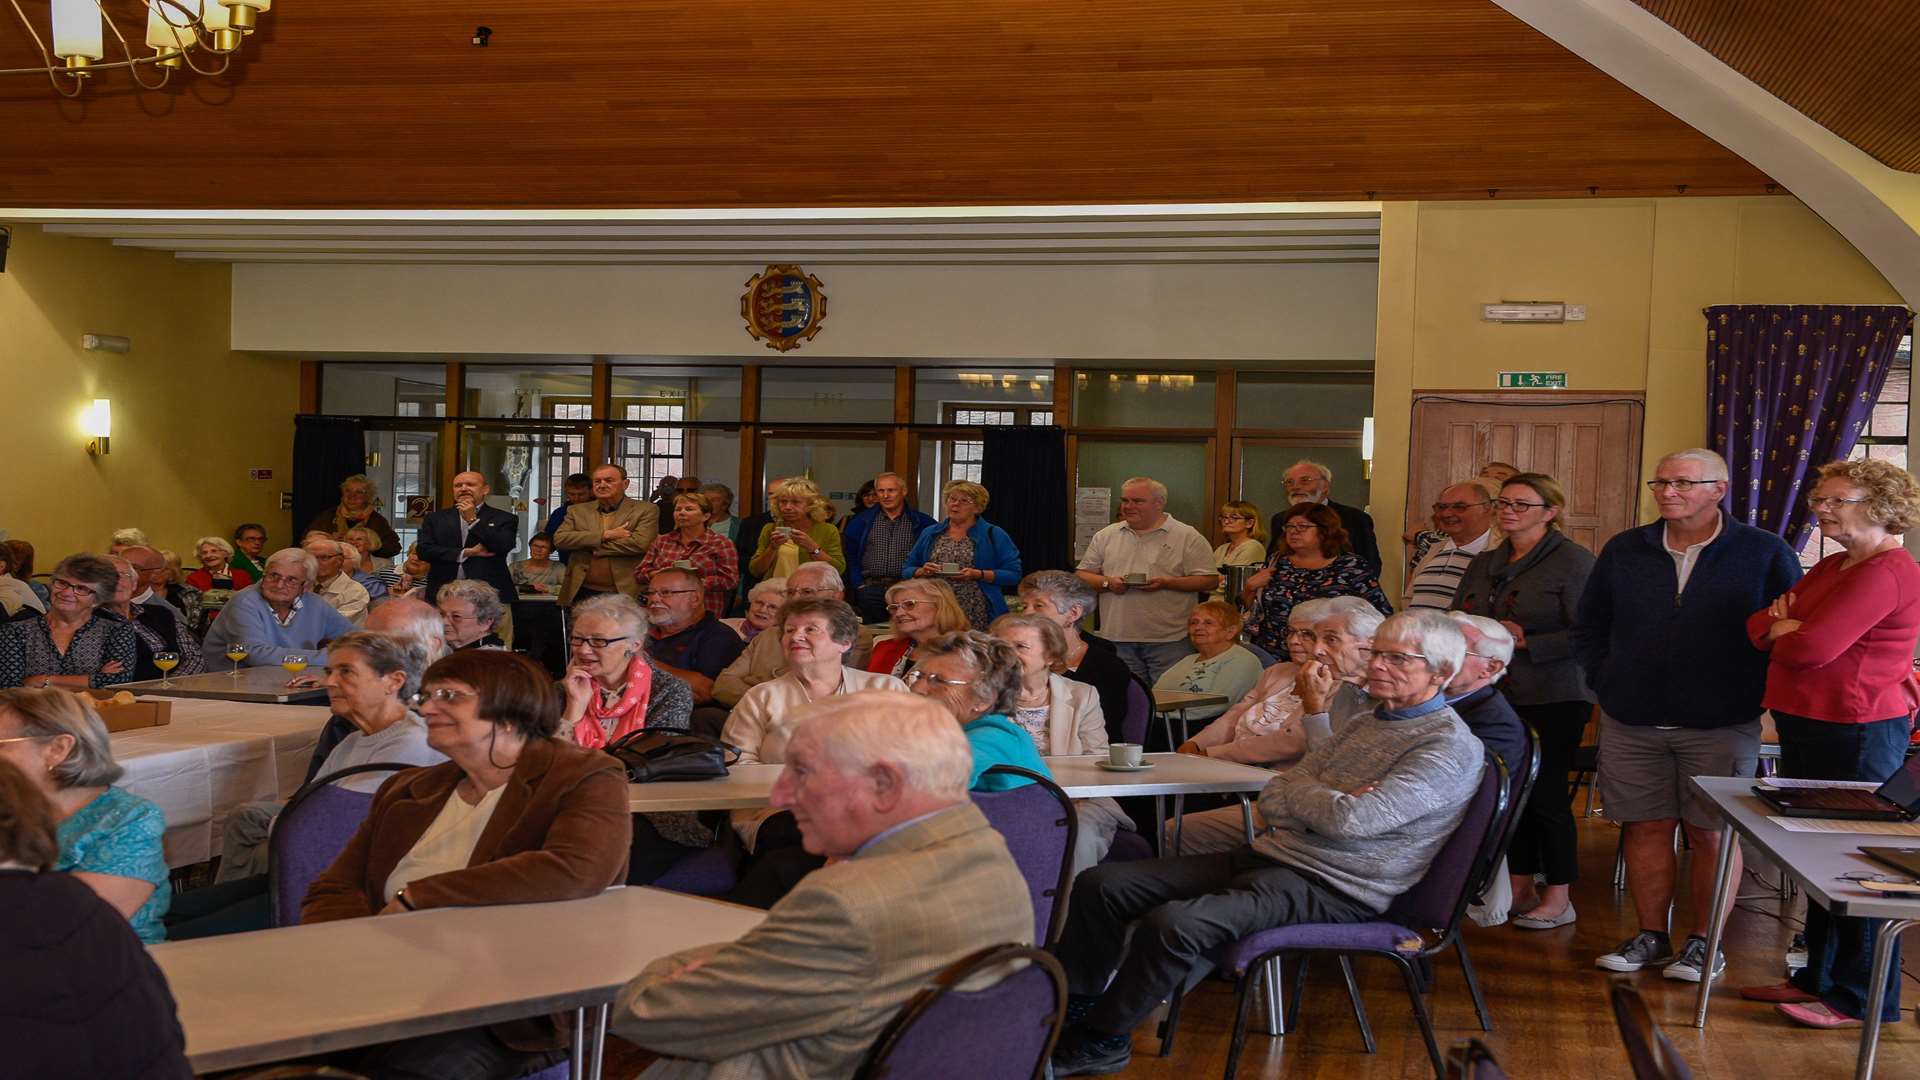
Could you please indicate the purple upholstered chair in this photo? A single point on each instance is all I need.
(1649, 1051)
(1039, 825)
(1435, 904)
(712, 871)
(1133, 728)
(310, 833)
(1001, 1032)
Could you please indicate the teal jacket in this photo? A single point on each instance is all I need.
(997, 740)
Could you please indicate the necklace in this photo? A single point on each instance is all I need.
(1033, 699)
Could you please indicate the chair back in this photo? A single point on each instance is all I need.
(1649, 1052)
(1133, 729)
(1519, 789)
(1003, 1030)
(311, 832)
(1442, 894)
(1039, 825)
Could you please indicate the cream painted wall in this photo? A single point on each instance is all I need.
(183, 401)
(1302, 314)
(1643, 267)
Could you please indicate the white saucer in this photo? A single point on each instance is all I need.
(1111, 767)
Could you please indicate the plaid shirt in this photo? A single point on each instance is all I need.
(711, 554)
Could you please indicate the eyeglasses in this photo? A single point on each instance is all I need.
(922, 674)
(595, 643)
(1235, 517)
(664, 593)
(1398, 659)
(452, 617)
(1681, 486)
(24, 738)
(286, 579)
(1516, 504)
(1298, 526)
(1821, 502)
(444, 695)
(907, 605)
(63, 585)
(803, 593)
(1454, 508)
(1303, 635)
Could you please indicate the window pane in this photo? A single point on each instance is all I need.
(1283, 401)
(1180, 466)
(935, 390)
(1888, 419)
(355, 389)
(1143, 399)
(850, 395)
(1893, 452)
(496, 390)
(1899, 385)
(703, 393)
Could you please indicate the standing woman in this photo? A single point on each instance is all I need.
(795, 535)
(709, 554)
(77, 643)
(1531, 585)
(921, 608)
(355, 510)
(1840, 687)
(985, 554)
(1246, 543)
(1313, 559)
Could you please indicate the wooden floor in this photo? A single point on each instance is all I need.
(1549, 1006)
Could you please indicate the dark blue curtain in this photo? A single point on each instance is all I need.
(1789, 389)
(326, 450)
(1024, 470)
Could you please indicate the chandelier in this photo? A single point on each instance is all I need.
(201, 35)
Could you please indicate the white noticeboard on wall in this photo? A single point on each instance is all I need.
(1092, 511)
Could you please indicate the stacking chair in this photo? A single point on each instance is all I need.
(1649, 1052)
(310, 833)
(1139, 716)
(1471, 1060)
(1039, 824)
(1004, 1031)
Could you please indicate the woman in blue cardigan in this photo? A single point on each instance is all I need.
(983, 554)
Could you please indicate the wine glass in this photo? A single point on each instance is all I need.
(294, 663)
(166, 662)
(236, 652)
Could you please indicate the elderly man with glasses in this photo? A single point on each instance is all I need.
(334, 584)
(764, 659)
(276, 616)
(1349, 828)
(685, 639)
(1464, 513)
(1661, 633)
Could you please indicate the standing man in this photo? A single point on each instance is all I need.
(1464, 514)
(1150, 570)
(604, 538)
(334, 584)
(470, 540)
(249, 549)
(1310, 481)
(577, 489)
(1661, 634)
(876, 543)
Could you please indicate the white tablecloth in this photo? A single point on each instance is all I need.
(213, 756)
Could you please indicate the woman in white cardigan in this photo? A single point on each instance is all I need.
(1064, 718)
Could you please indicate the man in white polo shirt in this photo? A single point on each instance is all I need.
(1151, 570)
(1464, 512)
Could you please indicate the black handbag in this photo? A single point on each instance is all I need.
(672, 755)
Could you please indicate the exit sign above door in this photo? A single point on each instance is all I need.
(1533, 380)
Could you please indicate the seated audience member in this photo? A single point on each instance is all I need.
(405, 617)
(1220, 665)
(763, 608)
(126, 538)
(1464, 516)
(109, 838)
(79, 642)
(15, 592)
(977, 677)
(797, 536)
(332, 583)
(81, 998)
(1246, 541)
(355, 510)
(686, 638)
(539, 573)
(921, 608)
(173, 588)
(1313, 558)
(250, 549)
(1065, 600)
(20, 563)
(371, 679)
(691, 546)
(277, 616)
(470, 610)
(216, 569)
(413, 575)
(364, 567)
(1333, 684)
(765, 658)
(1471, 693)
(157, 628)
(984, 556)
(430, 841)
(1349, 828)
(1063, 717)
(815, 635)
(877, 539)
(917, 881)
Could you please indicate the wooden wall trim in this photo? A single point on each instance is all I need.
(310, 387)
(450, 430)
(752, 453)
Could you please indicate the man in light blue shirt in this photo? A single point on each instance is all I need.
(277, 616)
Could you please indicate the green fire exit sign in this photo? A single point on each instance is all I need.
(1533, 380)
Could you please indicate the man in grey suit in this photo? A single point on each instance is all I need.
(915, 880)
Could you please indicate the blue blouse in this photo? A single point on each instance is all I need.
(118, 835)
(996, 740)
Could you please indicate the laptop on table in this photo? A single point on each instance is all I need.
(1896, 800)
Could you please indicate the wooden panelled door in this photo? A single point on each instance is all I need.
(1588, 442)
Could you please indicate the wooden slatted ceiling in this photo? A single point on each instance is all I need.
(1853, 66)
(352, 103)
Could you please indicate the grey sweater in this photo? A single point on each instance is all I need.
(1373, 847)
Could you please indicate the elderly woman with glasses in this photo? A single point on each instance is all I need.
(798, 533)
(977, 677)
(921, 608)
(1245, 542)
(469, 611)
(1312, 559)
(514, 816)
(109, 837)
(355, 510)
(977, 557)
(79, 642)
(1218, 665)
(1064, 600)
(763, 609)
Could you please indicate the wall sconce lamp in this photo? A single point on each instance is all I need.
(1366, 448)
(96, 423)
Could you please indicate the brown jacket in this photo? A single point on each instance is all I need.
(561, 831)
(579, 536)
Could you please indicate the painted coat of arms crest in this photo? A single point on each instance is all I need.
(784, 306)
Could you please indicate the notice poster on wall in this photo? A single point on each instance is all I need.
(1092, 511)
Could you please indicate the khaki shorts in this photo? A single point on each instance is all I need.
(1644, 770)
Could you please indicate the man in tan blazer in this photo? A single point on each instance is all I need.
(915, 880)
(605, 538)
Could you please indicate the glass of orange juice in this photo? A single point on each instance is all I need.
(236, 652)
(166, 662)
(294, 663)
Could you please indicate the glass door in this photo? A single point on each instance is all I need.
(525, 465)
(838, 461)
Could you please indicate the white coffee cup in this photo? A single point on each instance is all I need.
(1124, 754)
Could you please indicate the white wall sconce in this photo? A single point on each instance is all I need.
(1366, 448)
(112, 343)
(96, 423)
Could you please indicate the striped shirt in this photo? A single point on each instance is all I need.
(1433, 582)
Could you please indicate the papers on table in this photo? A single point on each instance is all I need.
(1841, 825)
(1785, 783)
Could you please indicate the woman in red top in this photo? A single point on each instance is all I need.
(922, 609)
(1840, 687)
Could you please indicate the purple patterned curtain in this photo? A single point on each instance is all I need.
(1789, 388)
